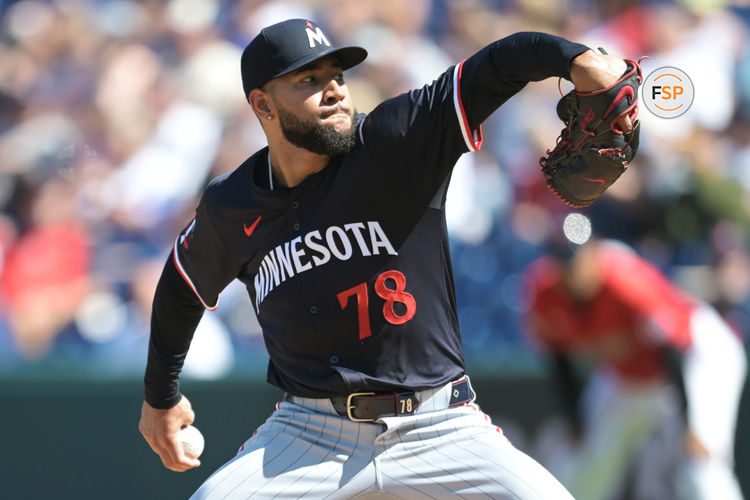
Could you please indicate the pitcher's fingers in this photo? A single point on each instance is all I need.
(182, 466)
(173, 456)
(163, 451)
(625, 124)
(156, 444)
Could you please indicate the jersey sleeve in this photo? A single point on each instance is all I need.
(418, 136)
(202, 258)
(198, 269)
(175, 314)
(417, 129)
(501, 69)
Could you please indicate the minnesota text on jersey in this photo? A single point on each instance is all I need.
(316, 249)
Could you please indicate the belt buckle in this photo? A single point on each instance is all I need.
(350, 407)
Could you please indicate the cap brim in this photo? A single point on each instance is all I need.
(347, 56)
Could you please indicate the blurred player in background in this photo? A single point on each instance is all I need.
(662, 362)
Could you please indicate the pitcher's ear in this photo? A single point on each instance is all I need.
(260, 101)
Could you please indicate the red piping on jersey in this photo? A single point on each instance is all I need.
(184, 275)
(476, 145)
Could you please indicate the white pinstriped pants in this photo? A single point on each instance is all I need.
(306, 450)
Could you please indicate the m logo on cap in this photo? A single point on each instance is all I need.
(316, 36)
(280, 49)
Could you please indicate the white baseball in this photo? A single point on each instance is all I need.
(577, 228)
(192, 441)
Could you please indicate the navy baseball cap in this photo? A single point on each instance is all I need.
(287, 46)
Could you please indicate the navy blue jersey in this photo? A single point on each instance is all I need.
(349, 271)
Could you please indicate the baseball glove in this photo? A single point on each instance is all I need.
(591, 152)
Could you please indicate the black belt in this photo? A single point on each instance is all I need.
(369, 406)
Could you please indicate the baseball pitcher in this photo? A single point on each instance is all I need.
(337, 229)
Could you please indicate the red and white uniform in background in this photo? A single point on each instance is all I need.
(623, 329)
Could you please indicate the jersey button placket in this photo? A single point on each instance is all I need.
(313, 310)
(294, 205)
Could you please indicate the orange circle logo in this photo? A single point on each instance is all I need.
(668, 92)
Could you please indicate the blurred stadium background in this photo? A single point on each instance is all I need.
(115, 113)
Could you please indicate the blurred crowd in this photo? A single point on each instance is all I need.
(114, 114)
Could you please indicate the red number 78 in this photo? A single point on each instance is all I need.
(390, 295)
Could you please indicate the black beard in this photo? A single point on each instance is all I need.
(315, 137)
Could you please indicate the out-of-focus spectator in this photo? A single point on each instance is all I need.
(45, 277)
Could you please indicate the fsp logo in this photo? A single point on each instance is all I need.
(316, 36)
(668, 92)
